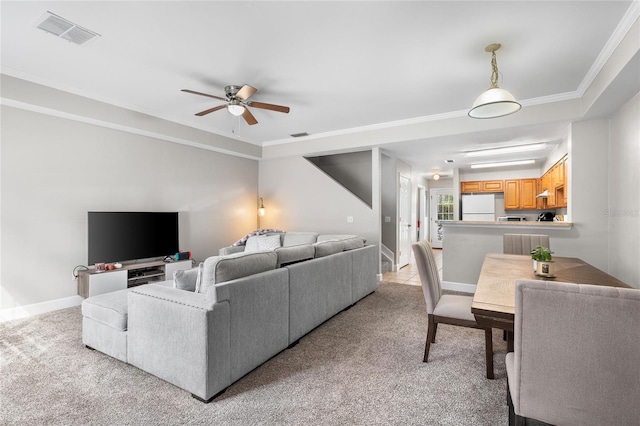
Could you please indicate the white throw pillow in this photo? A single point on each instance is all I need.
(252, 244)
(262, 242)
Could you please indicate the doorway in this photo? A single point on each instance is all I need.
(404, 221)
(441, 208)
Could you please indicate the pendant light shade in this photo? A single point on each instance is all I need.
(494, 102)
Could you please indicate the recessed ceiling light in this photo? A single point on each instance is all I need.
(502, 164)
(506, 150)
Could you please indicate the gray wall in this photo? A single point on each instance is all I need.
(55, 170)
(300, 197)
(623, 210)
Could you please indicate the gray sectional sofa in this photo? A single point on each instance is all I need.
(215, 323)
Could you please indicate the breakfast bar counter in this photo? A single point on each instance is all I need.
(465, 244)
(510, 226)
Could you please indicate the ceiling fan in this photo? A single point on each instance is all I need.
(237, 102)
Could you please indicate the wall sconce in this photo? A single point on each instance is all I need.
(261, 208)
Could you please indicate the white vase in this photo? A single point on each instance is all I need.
(535, 265)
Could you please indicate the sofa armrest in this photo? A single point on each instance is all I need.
(181, 337)
(230, 250)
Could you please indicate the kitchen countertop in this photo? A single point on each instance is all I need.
(514, 224)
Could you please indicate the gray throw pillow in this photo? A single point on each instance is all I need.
(187, 280)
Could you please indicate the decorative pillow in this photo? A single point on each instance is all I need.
(262, 242)
(188, 280)
(242, 241)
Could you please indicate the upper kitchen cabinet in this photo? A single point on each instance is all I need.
(520, 194)
(478, 186)
(554, 182)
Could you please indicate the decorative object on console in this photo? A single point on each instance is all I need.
(183, 255)
(542, 263)
(494, 102)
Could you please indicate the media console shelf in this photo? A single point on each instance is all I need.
(91, 283)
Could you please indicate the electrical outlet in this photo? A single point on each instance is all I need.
(387, 219)
(349, 219)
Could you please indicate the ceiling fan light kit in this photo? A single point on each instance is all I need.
(237, 102)
(235, 108)
(494, 102)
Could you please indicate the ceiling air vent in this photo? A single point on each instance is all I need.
(299, 135)
(60, 27)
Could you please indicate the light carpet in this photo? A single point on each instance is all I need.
(363, 366)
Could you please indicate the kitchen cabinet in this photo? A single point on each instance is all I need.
(512, 194)
(478, 186)
(470, 186)
(520, 194)
(492, 186)
(554, 181)
(528, 192)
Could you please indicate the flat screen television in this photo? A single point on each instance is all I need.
(129, 236)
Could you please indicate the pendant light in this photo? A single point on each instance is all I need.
(494, 102)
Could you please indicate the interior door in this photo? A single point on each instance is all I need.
(404, 221)
(441, 207)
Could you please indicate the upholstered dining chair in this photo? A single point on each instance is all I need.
(445, 308)
(523, 243)
(576, 358)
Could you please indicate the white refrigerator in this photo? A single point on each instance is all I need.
(479, 207)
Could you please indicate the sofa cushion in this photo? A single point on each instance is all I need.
(263, 242)
(108, 308)
(218, 269)
(350, 241)
(299, 238)
(292, 254)
(326, 248)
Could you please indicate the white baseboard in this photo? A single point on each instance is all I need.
(379, 277)
(39, 308)
(453, 286)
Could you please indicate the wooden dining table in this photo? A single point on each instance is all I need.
(493, 303)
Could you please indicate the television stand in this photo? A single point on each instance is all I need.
(92, 283)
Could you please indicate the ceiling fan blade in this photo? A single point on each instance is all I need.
(246, 92)
(210, 110)
(248, 117)
(203, 94)
(270, 107)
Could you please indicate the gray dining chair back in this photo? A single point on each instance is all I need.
(445, 308)
(429, 276)
(523, 243)
(576, 358)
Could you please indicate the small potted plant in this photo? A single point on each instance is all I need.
(542, 261)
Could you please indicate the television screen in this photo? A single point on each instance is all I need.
(127, 236)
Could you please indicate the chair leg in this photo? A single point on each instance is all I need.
(488, 340)
(431, 336)
(435, 330)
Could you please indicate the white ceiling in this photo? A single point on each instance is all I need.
(340, 66)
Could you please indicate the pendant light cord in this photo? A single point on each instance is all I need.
(494, 70)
